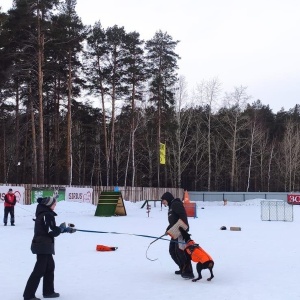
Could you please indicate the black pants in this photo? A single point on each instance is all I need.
(44, 267)
(9, 210)
(180, 257)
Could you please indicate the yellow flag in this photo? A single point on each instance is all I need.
(162, 153)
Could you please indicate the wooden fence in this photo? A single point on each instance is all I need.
(133, 194)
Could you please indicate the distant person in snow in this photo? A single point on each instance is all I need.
(45, 230)
(10, 201)
(176, 250)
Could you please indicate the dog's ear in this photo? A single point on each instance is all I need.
(186, 236)
(183, 232)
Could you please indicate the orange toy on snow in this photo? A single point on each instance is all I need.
(105, 248)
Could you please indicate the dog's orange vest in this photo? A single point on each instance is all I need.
(197, 253)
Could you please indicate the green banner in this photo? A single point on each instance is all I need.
(41, 193)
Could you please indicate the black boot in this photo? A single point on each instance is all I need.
(187, 275)
(53, 295)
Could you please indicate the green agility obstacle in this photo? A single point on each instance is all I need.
(110, 204)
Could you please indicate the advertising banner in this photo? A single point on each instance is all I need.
(293, 199)
(79, 195)
(46, 192)
(19, 191)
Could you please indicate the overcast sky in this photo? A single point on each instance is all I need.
(252, 43)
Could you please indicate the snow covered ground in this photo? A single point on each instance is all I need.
(260, 262)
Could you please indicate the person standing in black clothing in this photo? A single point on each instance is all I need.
(45, 230)
(10, 201)
(176, 212)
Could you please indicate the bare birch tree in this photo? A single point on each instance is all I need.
(208, 93)
(256, 134)
(291, 153)
(180, 146)
(235, 122)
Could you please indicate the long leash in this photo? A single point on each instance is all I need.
(151, 244)
(20, 206)
(114, 232)
(160, 238)
(141, 235)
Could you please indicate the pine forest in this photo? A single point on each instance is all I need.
(87, 105)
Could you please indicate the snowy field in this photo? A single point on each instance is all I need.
(260, 262)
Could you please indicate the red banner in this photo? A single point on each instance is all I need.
(293, 199)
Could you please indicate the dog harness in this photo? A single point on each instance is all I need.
(197, 253)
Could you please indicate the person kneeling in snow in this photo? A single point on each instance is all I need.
(45, 230)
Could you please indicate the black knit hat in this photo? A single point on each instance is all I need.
(47, 201)
(168, 197)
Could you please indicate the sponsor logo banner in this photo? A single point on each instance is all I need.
(293, 199)
(79, 195)
(19, 191)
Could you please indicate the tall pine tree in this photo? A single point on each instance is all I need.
(162, 65)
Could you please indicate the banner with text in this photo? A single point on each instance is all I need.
(293, 199)
(79, 195)
(46, 192)
(19, 191)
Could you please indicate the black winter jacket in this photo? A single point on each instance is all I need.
(176, 212)
(43, 239)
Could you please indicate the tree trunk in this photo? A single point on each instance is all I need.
(40, 58)
(113, 108)
(133, 135)
(69, 124)
(34, 142)
(17, 130)
(158, 136)
(107, 155)
(250, 157)
(56, 130)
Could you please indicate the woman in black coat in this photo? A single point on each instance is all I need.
(45, 230)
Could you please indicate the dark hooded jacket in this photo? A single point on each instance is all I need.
(45, 230)
(176, 210)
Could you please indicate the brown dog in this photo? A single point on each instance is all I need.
(198, 255)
